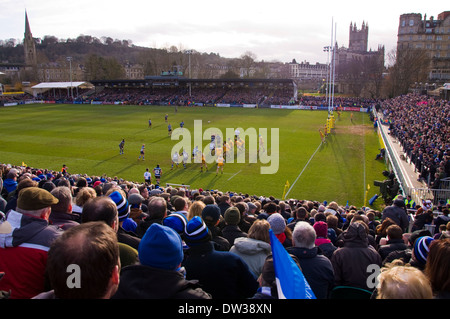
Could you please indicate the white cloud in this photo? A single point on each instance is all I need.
(273, 30)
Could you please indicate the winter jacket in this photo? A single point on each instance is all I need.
(397, 214)
(326, 246)
(64, 220)
(391, 245)
(144, 282)
(231, 232)
(316, 268)
(222, 274)
(254, 252)
(23, 254)
(350, 262)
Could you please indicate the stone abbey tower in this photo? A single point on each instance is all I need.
(358, 39)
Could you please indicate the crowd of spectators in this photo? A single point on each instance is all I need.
(422, 126)
(310, 100)
(189, 96)
(135, 240)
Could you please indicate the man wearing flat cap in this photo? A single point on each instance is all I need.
(23, 251)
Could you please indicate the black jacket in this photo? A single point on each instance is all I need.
(392, 245)
(143, 282)
(317, 270)
(398, 215)
(222, 274)
(231, 232)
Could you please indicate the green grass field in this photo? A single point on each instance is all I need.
(86, 138)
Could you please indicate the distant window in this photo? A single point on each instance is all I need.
(411, 22)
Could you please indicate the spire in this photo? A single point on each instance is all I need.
(27, 24)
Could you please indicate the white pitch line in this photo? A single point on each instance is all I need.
(287, 193)
(234, 175)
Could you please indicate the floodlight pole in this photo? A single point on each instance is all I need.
(327, 49)
(69, 58)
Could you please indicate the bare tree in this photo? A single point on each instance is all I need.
(408, 66)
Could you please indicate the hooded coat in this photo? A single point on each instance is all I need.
(254, 252)
(350, 262)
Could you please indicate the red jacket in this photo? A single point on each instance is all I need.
(23, 255)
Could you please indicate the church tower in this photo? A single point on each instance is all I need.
(29, 45)
(358, 39)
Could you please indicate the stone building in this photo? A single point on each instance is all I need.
(431, 35)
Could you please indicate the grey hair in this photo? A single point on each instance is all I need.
(304, 235)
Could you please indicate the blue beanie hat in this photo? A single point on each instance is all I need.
(161, 247)
(196, 232)
(122, 205)
(421, 248)
(177, 222)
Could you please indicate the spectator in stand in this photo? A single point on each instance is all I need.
(403, 282)
(316, 268)
(397, 213)
(437, 268)
(195, 209)
(23, 251)
(357, 249)
(61, 214)
(159, 274)
(24, 183)
(211, 216)
(222, 274)
(422, 219)
(224, 204)
(244, 224)
(94, 249)
(10, 183)
(105, 210)
(181, 205)
(300, 214)
(157, 211)
(231, 231)
(394, 241)
(280, 229)
(82, 197)
(123, 210)
(255, 248)
(442, 219)
(322, 241)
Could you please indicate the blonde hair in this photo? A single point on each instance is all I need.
(195, 209)
(403, 282)
(83, 195)
(260, 230)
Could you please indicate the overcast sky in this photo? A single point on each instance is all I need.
(279, 30)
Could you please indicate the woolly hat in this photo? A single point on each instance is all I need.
(35, 198)
(196, 232)
(122, 205)
(277, 223)
(422, 247)
(321, 229)
(135, 200)
(232, 216)
(161, 247)
(211, 214)
(177, 222)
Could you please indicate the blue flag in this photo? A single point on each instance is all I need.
(291, 284)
